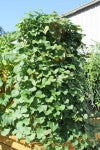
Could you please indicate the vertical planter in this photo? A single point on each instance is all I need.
(10, 143)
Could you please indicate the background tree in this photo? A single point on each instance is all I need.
(1, 30)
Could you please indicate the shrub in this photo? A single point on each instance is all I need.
(42, 96)
(92, 71)
(92, 92)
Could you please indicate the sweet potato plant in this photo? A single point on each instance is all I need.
(41, 82)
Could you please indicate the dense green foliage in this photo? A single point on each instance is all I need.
(42, 84)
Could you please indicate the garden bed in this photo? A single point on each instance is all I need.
(10, 143)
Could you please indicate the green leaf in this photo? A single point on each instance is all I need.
(70, 107)
(50, 100)
(85, 116)
(85, 136)
(62, 107)
(39, 94)
(53, 126)
(66, 101)
(4, 62)
(75, 143)
(46, 29)
(30, 71)
(65, 92)
(19, 135)
(33, 89)
(23, 109)
(5, 132)
(48, 112)
(40, 133)
(66, 148)
(42, 108)
(27, 130)
(30, 138)
(15, 93)
(70, 138)
(39, 120)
